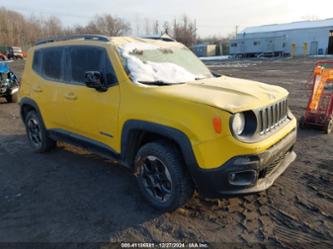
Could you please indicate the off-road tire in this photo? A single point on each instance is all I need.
(328, 127)
(44, 143)
(182, 186)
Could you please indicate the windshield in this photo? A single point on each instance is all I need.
(170, 63)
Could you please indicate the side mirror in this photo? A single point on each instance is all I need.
(94, 79)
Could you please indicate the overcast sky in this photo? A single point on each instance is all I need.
(214, 17)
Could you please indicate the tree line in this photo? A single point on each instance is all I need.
(18, 30)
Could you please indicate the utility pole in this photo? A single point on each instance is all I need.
(236, 31)
(156, 27)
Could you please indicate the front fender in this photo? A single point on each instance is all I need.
(173, 134)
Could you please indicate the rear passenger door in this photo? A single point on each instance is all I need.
(90, 113)
(47, 82)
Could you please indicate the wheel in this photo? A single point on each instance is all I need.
(301, 123)
(328, 126)
(37, 134)
(15, 98)
(161, 176)
(9, 98)
(12, 98)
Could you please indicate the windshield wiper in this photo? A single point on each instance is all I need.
(159, 83)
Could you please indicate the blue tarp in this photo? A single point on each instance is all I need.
(4, 68)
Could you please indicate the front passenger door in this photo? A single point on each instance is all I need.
(90, 113)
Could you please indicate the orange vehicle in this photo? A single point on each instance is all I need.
(319, 112)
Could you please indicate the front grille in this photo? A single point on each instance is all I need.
(272, 116)
(272, 165)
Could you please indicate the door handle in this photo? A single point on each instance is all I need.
(37, 89)
(70, 96)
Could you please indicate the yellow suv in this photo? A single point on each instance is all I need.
(153, 106)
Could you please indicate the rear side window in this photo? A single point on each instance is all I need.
(52, 63)
(37, 61)
(89, 58)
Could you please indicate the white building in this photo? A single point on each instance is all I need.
(296, 39)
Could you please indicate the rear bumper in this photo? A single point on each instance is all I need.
(247, 174)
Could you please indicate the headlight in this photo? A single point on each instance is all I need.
(244, 124)
(238, 123)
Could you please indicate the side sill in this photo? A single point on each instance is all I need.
(96, 147)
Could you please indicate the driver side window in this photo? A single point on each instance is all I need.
(89, 58)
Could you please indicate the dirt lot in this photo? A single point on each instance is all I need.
(70, 195)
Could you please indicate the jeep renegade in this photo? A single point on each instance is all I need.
(154, 107)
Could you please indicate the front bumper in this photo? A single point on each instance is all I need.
(247, 174)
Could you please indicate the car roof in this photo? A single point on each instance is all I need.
(162, 41)
(122, 41)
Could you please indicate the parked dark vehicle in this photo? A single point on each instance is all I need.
(8, 84)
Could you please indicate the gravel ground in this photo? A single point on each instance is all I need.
(71, 195)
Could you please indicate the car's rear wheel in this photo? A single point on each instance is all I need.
(161, 176)
(37, 134)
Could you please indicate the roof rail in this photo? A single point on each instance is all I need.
(101, 38)
(163, 37)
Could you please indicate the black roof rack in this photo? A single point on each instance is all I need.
(101, 38)
(163, 37)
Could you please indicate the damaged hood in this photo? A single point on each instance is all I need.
(230, 94)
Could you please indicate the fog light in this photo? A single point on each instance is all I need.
(243, 178)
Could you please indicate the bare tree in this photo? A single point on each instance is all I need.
(166, 28)
(156, 27)
(108, 25)
(147, 26)
(11, 24)
(16, 30)
(185, 31)
(52, 26)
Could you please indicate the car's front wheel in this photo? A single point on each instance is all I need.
(37, 134)
(162, 177)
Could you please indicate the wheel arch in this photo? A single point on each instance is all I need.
(26, 105)
(136, 133)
